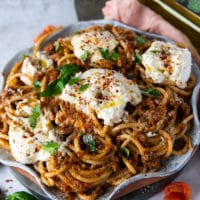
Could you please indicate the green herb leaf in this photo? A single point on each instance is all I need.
(58, 47)
(67, 71)
(104, 53)
(73, 80)
(35, 113)
(151, 92)
(84, 56)
(56, 87)
(114, 56)
(37, 84)
(140, 40)
(138, 58)
(77, 33)
(130, 76)
(21, 195)
(125, 151)
(155, 51)
(83, 87)
(24, 56)
(89, 140)
(51, 147)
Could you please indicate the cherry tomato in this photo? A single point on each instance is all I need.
(177, 191)
(46, 30)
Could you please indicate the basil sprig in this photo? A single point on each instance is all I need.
(56, 87)
(84, 56)
(21, 195)
(151, 91)
(37, 84)
(35, 113)
(125, 151)
(58, 47)
(106, 54)
(89, 140)
(140, 40)
(138, 58)
(51, 147)
(84, 87)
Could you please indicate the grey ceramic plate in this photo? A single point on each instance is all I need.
(170, 167)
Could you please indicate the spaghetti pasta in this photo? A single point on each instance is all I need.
(77, 150)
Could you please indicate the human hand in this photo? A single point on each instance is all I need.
(135, 14)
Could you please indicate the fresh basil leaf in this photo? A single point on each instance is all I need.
(83, 87)
(24, 56)
(77, 33)
(89, 140)
(125, 151)
(114, 56)
(138, 58)
(151, 92)
(140, 40)
(51, 147)
(155, 51)
(35, 113)
(84, 56)
(21, 195)
(130, 76)
(104, 53)
(73, 80)
(37, 84)
(58, 47)
(67, 71)
(54, 88)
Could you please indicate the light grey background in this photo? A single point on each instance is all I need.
(22, 20)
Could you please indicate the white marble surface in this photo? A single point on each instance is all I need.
(20, 22)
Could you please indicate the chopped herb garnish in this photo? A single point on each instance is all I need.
(130, 76)
(73, 80)
(140, 40)
(37, 84)
(51, 147)
(35, 113)
(138, 58)
(84, 56)
(151, 92)
(104, 53)
(83, 87)
(155, 51)
(125, 151)
(58, 47)
(114, 56)
(108, 55)
(21, 195)
(89, 140)
(56, 87)
(77, 33)
(24, 56)
(67, 71)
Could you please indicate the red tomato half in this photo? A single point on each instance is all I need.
(177, 191)
(46, 30)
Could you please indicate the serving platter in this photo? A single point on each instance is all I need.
(171, 166)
